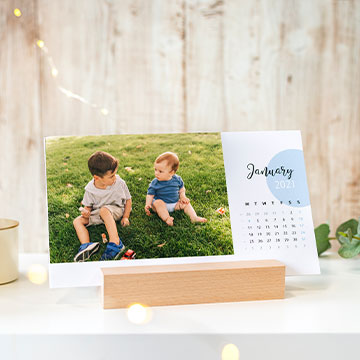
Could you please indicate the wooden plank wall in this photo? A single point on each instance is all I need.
(179, 65)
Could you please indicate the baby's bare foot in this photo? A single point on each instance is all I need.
(170, 221)
(199, 219)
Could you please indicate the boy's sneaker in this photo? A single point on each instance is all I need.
(86, 250)
(112, 251)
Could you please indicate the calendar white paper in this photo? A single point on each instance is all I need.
(269, 199)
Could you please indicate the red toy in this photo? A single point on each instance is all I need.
(129, 255)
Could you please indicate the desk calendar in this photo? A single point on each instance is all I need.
(256, 179)
(269, 200)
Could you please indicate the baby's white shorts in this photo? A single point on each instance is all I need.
(170, 207)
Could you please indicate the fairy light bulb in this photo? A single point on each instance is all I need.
(40, 44)
(54, 72)
(104, 111)
(139, 314)
(17, 12)
(230, 352)
(37, 274)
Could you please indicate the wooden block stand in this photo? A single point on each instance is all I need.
(193, 283)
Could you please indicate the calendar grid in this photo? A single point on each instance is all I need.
(271, 225)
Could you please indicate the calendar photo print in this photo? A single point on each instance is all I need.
(166, 196)
(269, 199)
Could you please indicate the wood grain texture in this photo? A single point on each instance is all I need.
(193, 283)
(125, 56)
(182, 65)
(22, 181)
(204, 66)
(295, 65)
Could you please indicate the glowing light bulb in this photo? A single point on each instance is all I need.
(139, 314)
(104, 111)
(54, 72)
(17, 12)
(230, 352)
(40, 44)
(37, 274)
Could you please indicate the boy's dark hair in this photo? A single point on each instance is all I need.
(171, 159)
(101, 162)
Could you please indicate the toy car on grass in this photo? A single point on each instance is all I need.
(129, 255)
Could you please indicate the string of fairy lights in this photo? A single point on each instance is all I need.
(55, 72)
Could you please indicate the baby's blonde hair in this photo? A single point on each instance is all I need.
(171, 159)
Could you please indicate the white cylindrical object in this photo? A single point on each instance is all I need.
(9, 257)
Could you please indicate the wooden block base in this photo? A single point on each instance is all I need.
(193, 283)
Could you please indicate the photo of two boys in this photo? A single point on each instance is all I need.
(155, 196)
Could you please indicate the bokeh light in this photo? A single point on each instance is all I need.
(54, 72)
(230, 352)
(17, 12)
(40, 44)
(139, 314)
(104, 111)
(37, 274)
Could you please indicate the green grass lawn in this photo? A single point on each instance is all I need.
(201, 168)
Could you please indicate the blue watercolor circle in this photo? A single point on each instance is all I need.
(290, 188)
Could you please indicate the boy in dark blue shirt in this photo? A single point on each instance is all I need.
(166, 193)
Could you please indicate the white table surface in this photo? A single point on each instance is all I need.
(326, 305)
